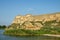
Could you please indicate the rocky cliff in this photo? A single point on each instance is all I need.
(35, 22)
(43, 18)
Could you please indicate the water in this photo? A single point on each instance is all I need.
(5, 37)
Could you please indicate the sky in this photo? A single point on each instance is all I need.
(11, 8)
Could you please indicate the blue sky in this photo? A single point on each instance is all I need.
(10, 8)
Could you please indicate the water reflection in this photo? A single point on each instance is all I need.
(5, 37)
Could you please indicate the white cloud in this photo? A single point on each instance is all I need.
(30, 9)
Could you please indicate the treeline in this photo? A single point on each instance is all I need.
(2, 26)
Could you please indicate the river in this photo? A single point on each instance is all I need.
(5, 37)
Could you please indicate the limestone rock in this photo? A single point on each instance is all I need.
(27, 19)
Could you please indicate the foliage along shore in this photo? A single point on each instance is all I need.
(22, 32)
(30, 33)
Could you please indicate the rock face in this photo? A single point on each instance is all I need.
(44, 18)
(22, 19)
(35, 22)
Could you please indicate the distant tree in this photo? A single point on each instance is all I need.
(2, 26)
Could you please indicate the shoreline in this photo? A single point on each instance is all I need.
(51, 35)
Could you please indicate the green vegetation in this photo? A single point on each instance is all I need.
(2, 27)
(44, 30)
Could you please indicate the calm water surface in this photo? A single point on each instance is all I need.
(5, 37)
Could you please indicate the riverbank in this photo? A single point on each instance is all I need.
(22, 32)
(5, 37)
(50, 35)
(53, 35)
